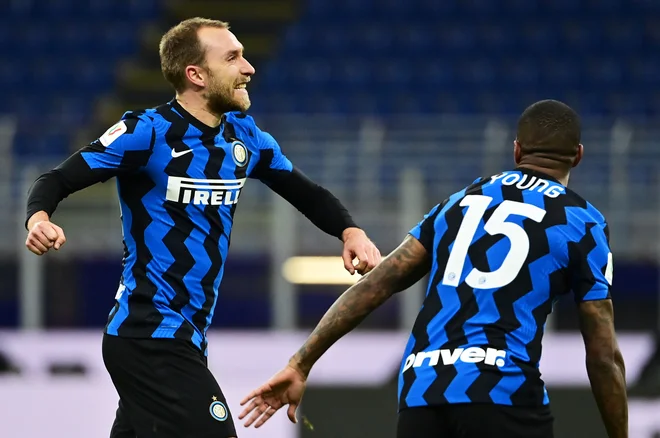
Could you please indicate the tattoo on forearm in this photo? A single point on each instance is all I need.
(402, 268)
(605, 366)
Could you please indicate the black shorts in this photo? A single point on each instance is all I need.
(165, 390)
(475, 421)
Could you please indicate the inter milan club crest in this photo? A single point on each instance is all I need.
(218, 410)
(239, 152)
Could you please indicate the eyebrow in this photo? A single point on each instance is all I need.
(234, 52)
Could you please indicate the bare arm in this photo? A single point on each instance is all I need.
(399, 270)
(605, 365)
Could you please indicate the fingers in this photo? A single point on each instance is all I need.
(364, 261)
(37, 242)
(35, 246)
(256, 394)
(373, 261)
(347, 256)
(265, 417)
(60, 239)
(43, 236)
(260, 411)
(49, 231)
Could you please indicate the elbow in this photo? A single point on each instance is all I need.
(605, 359)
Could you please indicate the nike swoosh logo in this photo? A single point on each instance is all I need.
(176, 154)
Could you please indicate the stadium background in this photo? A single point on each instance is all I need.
(392, 105)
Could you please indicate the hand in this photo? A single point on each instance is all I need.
(284, 388)
(357, 244)
(43, 234)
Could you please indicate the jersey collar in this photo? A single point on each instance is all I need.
(536, 173)
(206, 129)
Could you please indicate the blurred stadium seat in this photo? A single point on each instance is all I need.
(509, 47)
(61, 55)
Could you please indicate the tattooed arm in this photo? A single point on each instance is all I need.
(399, 270)
(605, 365)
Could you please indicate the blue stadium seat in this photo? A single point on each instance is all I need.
(377, 39)
(56, 56)
(624, 36)
(457, 38)
(478, 54)
(519, 7)
(355, 73)
(645, 71)
(607, 72)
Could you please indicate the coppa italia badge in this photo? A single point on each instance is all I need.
(113, 133)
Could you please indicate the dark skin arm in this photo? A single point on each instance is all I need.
(605, 365)
(401, 269)
(398, 271)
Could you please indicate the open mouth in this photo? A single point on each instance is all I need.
(242, 86)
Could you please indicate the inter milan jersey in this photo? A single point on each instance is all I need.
(503, 250)
(179, 182)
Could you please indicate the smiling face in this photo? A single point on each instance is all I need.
(227, 72)
(203, 57)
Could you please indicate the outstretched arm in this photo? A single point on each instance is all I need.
(402, 268)
(406, 265)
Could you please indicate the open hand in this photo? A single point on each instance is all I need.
(284, 388)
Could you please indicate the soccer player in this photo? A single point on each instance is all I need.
(180, 169)
(500, 253)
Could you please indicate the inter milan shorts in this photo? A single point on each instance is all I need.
(165, 390)
(475, 421)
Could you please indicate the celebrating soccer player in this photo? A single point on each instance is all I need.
(180, 169)
(500, 253)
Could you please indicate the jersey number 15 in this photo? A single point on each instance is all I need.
(515, 258)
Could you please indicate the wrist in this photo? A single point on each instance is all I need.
(300, 366)
(348, 232)
(37, 217)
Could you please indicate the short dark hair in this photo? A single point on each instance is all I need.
(180, 47)
(550, 130)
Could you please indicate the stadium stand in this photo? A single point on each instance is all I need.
(57, 58)
(87, 62)
(344, 56)
(483, 56)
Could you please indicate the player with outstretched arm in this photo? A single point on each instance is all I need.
(500, 252)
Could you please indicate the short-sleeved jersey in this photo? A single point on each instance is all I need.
(179, 182)
(503, 250)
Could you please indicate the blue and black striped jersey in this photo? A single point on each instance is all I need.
(503, 250)
(179, 182)
(177, 212)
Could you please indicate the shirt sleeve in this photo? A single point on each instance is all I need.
(591, 259)
(424, 231)
(123, 148)
(272, 160)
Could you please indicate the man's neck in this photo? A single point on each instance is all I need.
(196, 106)
(560, 176)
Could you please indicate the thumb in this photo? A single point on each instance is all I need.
(291, 412)
(347, 256)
